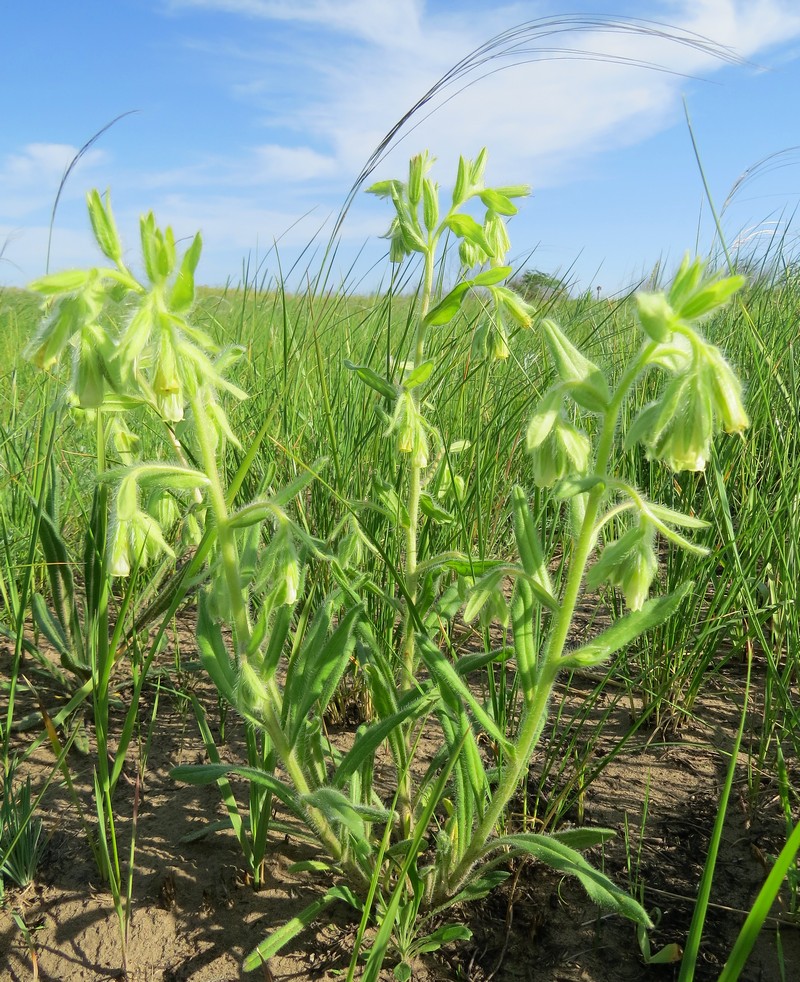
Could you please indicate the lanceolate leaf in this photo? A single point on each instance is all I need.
(627, 629)
(371, 737)
(371, 378)
(322, 671)
(273, 943)
(418, 375)
(561, 857)
(213, 653)
(491, 277)
(467, 228)
(448, 678)
(530, 549)
(182, 296)
(447, 308)
(210, 773)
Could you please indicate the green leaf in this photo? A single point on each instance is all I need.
(675, 517)
(490, 277)
(322, 669)
(273, 943)
(371, 378)
(568, 487)
(482, 885)
(65, 282)
(543, 419)
(467, 664)
(418, 375)
(103, 225)
(182, 295)
(385, 189)
(444, 935)
(369, 738)
(291, 490)
(213, 653)
(498, 202)
(150, 247)
(582, 838)
(49, 626)
(447, 677)
(433, 510)
(447, 308)
(558, 856)
(467, 228)
(530, 549)
(198, 774)
(627, 629)
(588, 385)
(482, 592)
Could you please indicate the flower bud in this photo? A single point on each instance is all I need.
(726, 392)
(496, 235)
(430, 204)
(167, 384)
(416, 173)
(88, 379)
(655, 315)
(564, 452)
(251, 693)
(287, 569)
(119, 552)
(685, 440)
(629, 563)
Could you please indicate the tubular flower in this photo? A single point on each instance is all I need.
(628, 563)
(564, 452)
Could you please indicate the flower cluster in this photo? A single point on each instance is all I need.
(703, 395)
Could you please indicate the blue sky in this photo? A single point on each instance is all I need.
(253, 118)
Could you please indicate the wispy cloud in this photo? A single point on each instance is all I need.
(30, 177)
(388, 23)
(545, 114)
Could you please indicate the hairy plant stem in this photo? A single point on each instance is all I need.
(414, 491)
(243, 634)
(533, 721)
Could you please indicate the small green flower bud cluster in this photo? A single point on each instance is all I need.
(416, 225)
(704, 395)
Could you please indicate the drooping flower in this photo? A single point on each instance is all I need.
(629, 563)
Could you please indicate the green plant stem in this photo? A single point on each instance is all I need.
(533, 721)
(412, 504)
(243, 631)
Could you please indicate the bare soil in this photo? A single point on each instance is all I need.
(194, 916)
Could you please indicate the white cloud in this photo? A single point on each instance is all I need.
(383, 22)
(545, 117)
(29, 179)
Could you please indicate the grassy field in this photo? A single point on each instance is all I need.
(391, 594)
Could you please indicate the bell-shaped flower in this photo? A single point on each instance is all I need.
(564, 452)
(678, 428)
(725, 390)
(629, 563)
